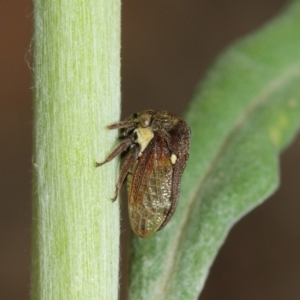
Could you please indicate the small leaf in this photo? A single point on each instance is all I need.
(244, 113)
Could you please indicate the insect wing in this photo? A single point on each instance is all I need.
(150, 188)
(180, 145)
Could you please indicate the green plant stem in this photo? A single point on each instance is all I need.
(77, 93)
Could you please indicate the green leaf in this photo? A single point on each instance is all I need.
(244, 113)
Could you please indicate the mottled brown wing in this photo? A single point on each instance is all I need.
(179, 144)
(150, 188)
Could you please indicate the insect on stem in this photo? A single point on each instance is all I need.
(157, 145)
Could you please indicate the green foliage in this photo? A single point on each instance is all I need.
(244, 113)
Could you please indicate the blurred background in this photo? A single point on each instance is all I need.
(167, 46)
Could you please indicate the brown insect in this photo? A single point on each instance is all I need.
(158, 148)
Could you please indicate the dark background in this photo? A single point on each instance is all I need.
(167, 45)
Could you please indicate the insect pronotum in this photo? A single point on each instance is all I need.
(158, 146)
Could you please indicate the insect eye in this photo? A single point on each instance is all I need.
(145, 120)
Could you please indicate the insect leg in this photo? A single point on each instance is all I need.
(129, 161)
(124, 124)
(121, 147)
